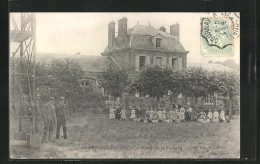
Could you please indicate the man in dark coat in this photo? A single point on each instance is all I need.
(36, 111)
(49, 118)
(61, 118)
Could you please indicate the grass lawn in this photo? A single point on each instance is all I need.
(92, 137)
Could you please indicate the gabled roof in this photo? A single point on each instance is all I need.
(140, 37)
(148, 30)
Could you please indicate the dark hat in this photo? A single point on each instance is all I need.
(62, 98)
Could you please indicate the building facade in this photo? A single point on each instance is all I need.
(145, 45)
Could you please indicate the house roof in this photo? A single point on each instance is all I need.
(148, 30)
(94, 63)
(140, 37)
(210, 66)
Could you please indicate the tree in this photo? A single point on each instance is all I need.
(153, 81)
(229, 85)
(114, 81)
(196, 83)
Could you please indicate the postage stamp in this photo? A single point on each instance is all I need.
(216, 36)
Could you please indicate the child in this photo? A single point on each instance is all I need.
(147, 113)
(164, 115)
(215, 116)
(112, 113)
(159, 115)
(187, 115)
(182, 114)
(123, 114)
(138, 112)
(177, 116)
(202, 117)
(171, 114)
(151, 113)
(155, 115)
(222, 116)
(133, 116)
(210, 115)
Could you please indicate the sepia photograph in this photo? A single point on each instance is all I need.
(124, 85)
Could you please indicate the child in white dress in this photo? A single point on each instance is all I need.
(151, 112)
(215, 116)
(177, 116)
(155, 116)
(171, 114)
(133, 116)
(222, 116)
(209, 116)
(112, 113)
(182, 112)
(164, 115)
(159, 114)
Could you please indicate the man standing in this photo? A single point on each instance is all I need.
(36, 113)
(61, 118)
(49, 118)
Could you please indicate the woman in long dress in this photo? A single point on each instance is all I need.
(123, 114)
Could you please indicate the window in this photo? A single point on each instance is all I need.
(141, 61)
(208, 100)
(158, 42)
(159, 60)
(108, 98)
(174, 62)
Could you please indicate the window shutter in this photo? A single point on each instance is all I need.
(137, 62)
(147, 60)
(154, 60)
(164, 62)
(170, 62)
(180, 62)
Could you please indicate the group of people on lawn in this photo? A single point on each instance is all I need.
(178, 113)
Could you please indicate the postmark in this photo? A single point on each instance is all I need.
(216, 36)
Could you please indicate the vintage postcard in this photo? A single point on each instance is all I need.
(124, 85)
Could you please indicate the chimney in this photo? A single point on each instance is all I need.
(175, 30)
(122, 27)
(162, 28)
(111, 34)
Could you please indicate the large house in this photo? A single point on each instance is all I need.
(134, 48)
(145, 45)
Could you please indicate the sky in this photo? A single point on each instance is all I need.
(87, 33)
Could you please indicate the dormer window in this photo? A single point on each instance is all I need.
(158, 42)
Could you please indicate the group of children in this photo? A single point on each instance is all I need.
(213, 117)
(176, 114)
